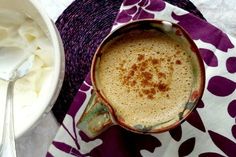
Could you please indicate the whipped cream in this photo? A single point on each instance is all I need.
(21, 36)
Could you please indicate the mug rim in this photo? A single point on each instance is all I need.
(104, 100)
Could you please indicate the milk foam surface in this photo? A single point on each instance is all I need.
(146, 77)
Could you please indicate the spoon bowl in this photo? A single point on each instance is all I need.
(14, 65)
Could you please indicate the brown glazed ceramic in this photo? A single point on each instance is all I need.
(100, 115)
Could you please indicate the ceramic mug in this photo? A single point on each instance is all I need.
(100, 113)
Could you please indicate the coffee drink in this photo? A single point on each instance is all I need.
(146, 76)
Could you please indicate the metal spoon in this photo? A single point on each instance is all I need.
(8, 137)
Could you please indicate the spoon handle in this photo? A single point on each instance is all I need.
(8, 137)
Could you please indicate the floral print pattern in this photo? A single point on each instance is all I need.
(209, 131)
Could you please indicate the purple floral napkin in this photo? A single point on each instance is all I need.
(209, 131)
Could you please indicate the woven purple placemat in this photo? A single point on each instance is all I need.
(82, 26)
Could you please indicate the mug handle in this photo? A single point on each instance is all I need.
(96, 118)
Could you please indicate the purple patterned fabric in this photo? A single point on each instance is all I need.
(221, 86)
(208, 131)
(201, 30)
(232, 109)
(225, 144)
(141, 12)
(186, 147)
(209, 57)
(231, 64)
(176, 133)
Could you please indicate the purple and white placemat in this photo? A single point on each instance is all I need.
(209, 131)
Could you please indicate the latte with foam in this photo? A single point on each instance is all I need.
(146, 76)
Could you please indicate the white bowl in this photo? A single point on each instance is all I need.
(29, 116)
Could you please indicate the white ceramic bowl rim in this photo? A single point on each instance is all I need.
(58, 69)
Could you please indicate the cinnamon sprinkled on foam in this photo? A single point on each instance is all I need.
(140, 77)
(177, 62)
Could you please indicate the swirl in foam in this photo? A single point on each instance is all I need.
(146, 76)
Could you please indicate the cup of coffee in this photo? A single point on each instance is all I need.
(147, 77)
